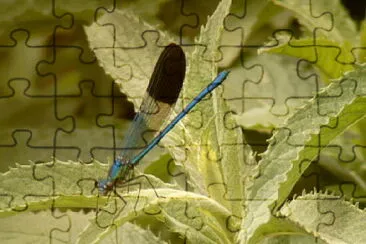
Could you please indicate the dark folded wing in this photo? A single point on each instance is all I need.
(162, 93)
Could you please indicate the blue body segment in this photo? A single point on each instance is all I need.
(122, 164)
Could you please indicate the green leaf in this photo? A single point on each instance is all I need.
(297, 143)
(40, 226)
(293, 238)
(162, 168)
(199, 75)
(122, 53)
(361, 53)
(56, 184)
(16, 229)
(132, 233)
(329, 56)
(330, 218)
(327, 18)
(336, 159)
(42, 182)
(276, 81)
(216, 148)
(183, 209)
(240, 29)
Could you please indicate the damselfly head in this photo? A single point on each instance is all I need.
(104, 186)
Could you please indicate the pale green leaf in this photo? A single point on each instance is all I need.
(131, 233)
(274, 79)
(178, 205)
(216, 147)
(17, 228)
(330, 218)
(122, 53)
(42, 182)
(199, 75)
(296, 144)
(57, 184)
(196, 223)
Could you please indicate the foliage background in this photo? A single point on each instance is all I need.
(329, 173)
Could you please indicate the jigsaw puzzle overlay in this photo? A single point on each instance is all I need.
(278, 148)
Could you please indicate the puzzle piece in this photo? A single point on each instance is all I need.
(57, 228)
(16, 120)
